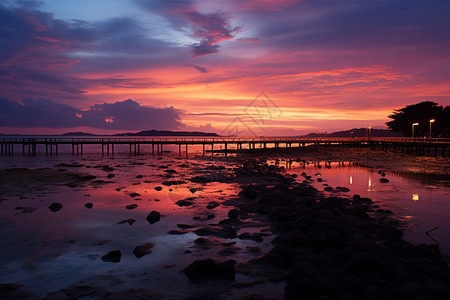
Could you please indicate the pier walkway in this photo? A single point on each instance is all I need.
(225, 145)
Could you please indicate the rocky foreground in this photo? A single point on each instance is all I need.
(326, 247)
(335, 248)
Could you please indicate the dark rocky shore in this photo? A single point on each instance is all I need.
(326, 247)
(336, 248)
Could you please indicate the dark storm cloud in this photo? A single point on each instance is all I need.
(122, 115)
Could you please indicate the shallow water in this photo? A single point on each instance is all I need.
(47, 251)
(423, 202)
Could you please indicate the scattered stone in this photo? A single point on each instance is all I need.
(131, 206)
(384, 180)
(193, 190)
(153, 217)
(139, 176)
(89, 205)
(158, 188)
(203, 179)
(173, 182)
(143, 250)
(233, 214)
(209, 269)
(328, 189)
(185, 202)
(54, 207)
(177, 232)
(248, 192)
(110, 176)
(342, 189)
(89, 177)
(186, 226)
(226, 232)
(212, 205)
(26, 209)
(112, 256)
(102, 242)
(319, 179)
(257, 237)
(129, 221)
(134, 195)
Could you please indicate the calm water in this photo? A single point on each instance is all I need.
(423, 202)
(48, 251)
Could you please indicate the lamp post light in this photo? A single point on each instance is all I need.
(370, 131)
(431, 121)
(414, 124)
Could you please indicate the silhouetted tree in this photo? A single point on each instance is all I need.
(421, 113)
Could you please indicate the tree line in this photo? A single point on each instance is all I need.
(421, 115)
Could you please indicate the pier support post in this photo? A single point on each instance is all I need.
(186, 150)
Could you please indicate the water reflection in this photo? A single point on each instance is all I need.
(420, 200)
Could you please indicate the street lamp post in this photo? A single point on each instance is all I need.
(414, 124)
(370, 131)
(431, 121)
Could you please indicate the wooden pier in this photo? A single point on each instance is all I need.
(49, 146)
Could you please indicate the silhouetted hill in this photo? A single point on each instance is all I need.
(77, 134)
(357, 132)
(167, 133)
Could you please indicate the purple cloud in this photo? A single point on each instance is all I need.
(121, 115)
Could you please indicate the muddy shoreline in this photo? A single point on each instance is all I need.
(335, 248)
(326, 247)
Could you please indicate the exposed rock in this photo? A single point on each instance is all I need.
(173, 182)
(54, 207)
(89, 205)
(233, 213)
(110, 176)
(248, 192)
(134, 195)
(185, 226)
(212, 205)
(112, 256)
(185, 202)
(144, 249)
(26, 209)
(177, 232)
(139, 176)
(257, 237)
(384, 180)
(203, 179)
(129, 221)
(158, 188)
(153, 217)
(209, 269)
(131, 206)
(226, 232)
(193, 190)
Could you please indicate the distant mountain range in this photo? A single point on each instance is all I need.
(357, 132)
(148, 133)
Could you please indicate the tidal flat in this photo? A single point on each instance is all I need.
(249, 227)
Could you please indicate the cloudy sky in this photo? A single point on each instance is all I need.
(281, 67)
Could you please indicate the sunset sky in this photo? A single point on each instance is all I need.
(255, 67)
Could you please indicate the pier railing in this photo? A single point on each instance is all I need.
(183, 140)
